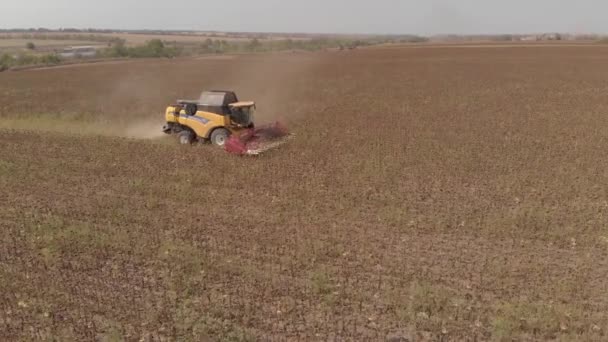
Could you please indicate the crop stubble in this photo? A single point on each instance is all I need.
(452, 193)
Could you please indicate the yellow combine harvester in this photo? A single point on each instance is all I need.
(214, 117)
(219, 117)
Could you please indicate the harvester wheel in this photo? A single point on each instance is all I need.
(186, 137)
(191, 109)
(219, 136)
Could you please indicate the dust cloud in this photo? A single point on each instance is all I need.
(133, 104)
(143, 130)
(273, 81)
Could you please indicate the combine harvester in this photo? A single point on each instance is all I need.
(220, 118)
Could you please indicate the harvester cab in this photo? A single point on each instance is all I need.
(242, 114)
(220, 118)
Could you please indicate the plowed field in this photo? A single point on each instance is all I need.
(455, 193)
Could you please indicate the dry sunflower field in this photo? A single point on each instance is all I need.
(436, 193)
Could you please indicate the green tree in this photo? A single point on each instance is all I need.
(6, 61)
(156, 48)
(50, 59)
(26, 59)
(207, 46)
(30, 46)
(118, 49)
(254, 45)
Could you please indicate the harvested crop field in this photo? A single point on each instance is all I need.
(430, 194)
(48, 43)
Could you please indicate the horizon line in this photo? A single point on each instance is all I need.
(119, 30)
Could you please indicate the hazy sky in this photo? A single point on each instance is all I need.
(336, 16)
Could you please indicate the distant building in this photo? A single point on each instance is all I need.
(543, 37)
(529, 38)
(551, 36)
(78, 51)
